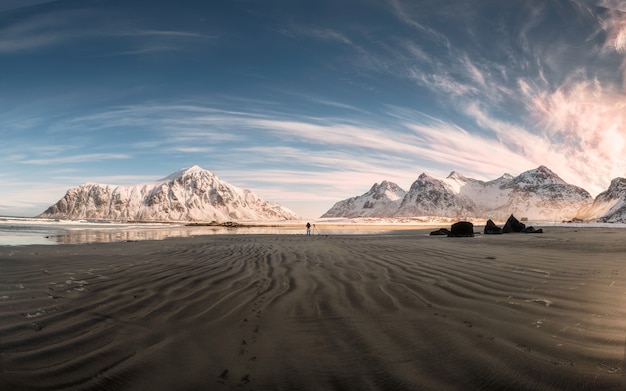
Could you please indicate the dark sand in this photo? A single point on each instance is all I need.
(272, 312)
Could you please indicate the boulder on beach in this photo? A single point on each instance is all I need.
(532, 230)
(440, 232)
(492, 229)
(461, 229)
(513, 225)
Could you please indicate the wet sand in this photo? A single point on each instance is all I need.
(294, 312)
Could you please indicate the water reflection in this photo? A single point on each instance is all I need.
(131, 235)
(29, 231)
(7, 239)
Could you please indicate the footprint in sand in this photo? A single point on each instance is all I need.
(242, 347)
(223, 377)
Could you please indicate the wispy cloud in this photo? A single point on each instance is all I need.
(171, 127)
(587, 120)
(41, 31)
(339, 134)
(404, 15)
(329, 34)
(68, 26)
(154, 41)
(8, 5)
(612, 4)
(76, 158)
(166, 34)
(331, 160)
(472, 154)
(615, 27)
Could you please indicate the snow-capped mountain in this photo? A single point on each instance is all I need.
(429, 196)
(380, 201)
(191, 194)
(609, 206)
(538, 195)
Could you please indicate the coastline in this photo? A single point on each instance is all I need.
(32, 231)
(357, 312)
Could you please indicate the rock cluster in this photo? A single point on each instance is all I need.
(466, 229)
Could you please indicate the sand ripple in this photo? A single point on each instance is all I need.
(397, 312)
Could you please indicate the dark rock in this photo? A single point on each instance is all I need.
(441, 231)
(513, 225)
(532, 230)
(492, 229)
(461, 229)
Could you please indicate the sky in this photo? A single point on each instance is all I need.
(307, 102)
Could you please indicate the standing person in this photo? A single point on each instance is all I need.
(308, 228)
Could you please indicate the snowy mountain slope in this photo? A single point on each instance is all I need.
(609, 206)
(479, 195)
(429, 196)
(542, 195)
(380, 201)
(191, 194)
(537, 194)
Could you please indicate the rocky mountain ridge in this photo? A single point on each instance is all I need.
(608, 206)
(381, 200)
(191, 194)
(538, 194)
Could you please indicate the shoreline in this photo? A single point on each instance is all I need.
(24, 232)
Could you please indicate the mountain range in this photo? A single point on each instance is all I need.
(538, 195)
(191, 194)
(195, 194)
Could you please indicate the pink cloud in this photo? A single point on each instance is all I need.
(585, 122)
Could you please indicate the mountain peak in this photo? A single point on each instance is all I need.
(616, 190)
(458, 177)
(423, 176)
(386, 189)
(186, 171)
(539, 176)
(194, 168)
(618, 184)
(384, 186)
(378, 188)
(381, 200)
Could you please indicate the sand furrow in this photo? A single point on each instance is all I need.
(259, 312)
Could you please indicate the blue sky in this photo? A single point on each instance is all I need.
(307, 102)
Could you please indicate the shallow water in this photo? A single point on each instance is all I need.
(16, 231)
(20, 231)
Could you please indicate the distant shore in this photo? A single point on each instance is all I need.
(356, 312)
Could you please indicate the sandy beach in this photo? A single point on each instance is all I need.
(327, 312)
